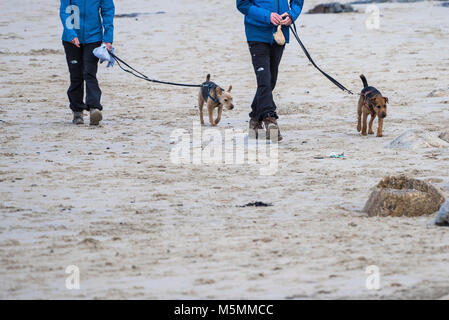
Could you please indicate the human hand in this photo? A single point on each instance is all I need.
(275, 19)
(109, 45)
(76, 42)
(286, 19)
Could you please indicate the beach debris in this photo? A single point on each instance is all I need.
(444, 136)
(414, 139)
(332, 7)
(90, 242)
(336, 155)
(257, 204)
(401, 195)
(442, 218)
(333, 155)
(137, 14)
(279, 36)
(445, 4)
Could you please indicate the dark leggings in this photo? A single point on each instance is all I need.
(83, 66)
(266, 59)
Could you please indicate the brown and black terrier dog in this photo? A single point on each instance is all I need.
(215, 97)
(372, 103)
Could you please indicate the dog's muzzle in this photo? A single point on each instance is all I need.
(383, 115)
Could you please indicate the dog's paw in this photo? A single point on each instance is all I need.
(371, 132)
(364, 134)
(379, 135)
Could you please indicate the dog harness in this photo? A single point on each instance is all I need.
(206, 88)
(366, 95)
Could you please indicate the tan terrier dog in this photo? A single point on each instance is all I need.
(215, 97)
(372, 103)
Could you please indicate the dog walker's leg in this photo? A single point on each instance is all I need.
(370, 128)
(220, 111)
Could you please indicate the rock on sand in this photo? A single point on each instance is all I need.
(403, 196)
(417, 139)
(332, 7)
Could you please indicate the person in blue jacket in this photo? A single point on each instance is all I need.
(262, 18)
(87, 24)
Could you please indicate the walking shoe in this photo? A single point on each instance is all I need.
(254, 127)
(272, 128)
(78, 118)
(95, 117)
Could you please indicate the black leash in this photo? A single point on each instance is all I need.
(140, 75)
(338, 84)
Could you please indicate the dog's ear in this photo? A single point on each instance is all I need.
(230, 89)
(208, 78)
(372, 100)
(218, 91)
(386, 100)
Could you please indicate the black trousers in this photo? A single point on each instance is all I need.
(266, 59)
(83, 67)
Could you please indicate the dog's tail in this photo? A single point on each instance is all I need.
(365, 82)
(208, 78)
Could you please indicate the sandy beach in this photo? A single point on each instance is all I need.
(108, 199)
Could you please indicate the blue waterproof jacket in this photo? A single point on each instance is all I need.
(96, 20)
(257, 17)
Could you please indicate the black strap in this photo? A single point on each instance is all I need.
(338, 84)
(140, 75)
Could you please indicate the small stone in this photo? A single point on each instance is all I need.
(438, 93)
(332, 7)
(444, 136)
(442, 218)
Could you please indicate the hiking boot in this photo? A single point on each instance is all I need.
(78, 118)
(272, 128)
(254, 127)
(95, 117)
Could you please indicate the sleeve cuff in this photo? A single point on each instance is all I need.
(292, 15)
